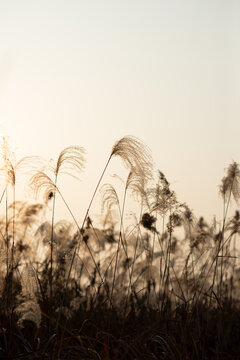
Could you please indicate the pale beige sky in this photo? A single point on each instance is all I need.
(90, 72)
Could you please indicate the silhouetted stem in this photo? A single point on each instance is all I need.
(95, 191)
(13, 231)
(51, 244)
(80, 232)
(221, 240)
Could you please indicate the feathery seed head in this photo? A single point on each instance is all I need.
(109, 197)
(137, 184)
(164, 199)
(234, 224)
(42, 182)
(231, 182)
(8, 161)
(71, 158)
(11, 166)
(135, 155)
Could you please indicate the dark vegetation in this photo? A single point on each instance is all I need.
(166, 287)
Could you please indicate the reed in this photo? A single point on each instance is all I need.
(165, 286)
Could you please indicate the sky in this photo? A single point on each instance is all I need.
(90, 72)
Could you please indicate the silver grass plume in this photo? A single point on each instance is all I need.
(137, 158)
(134, 154)
(11, 166)
(231, 182)
(188, 221)
(137, 184)
(8, 163)
(41, 182)
(109, 197)
(70, 159)
(233, 224)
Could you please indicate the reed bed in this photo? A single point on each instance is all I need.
(164, 287)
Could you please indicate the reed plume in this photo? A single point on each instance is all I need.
(41, 182)
(231, 183)
(8, 171)
(109, 197)
(134, 154)
(137, 183)
(70, 159)
(234, 224)
(11, 166)
(230, 186)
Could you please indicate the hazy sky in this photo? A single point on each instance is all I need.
(89, 72)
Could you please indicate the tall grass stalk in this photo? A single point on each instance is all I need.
(52, 240)
(120, 239)
(135, 156)
(230, 186)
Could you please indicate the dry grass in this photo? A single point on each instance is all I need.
(165, 288)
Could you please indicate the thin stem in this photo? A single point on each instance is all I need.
(95, 191)
(80, 232)
(51, 243)
(221, 241)
(86, 215)
(13, 231)
(6, 215)
(120, 239)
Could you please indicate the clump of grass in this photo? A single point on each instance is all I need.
(166, 287)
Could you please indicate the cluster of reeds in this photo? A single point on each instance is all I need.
(165, 287)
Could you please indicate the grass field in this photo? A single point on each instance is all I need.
(164, 287)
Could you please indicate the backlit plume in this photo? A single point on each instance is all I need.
(70, 159)
(135, 155)
(231, 182)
